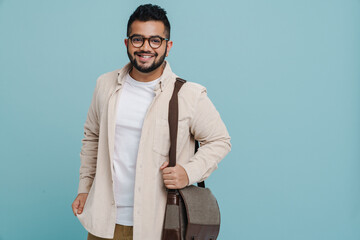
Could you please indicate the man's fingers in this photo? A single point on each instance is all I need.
(171, 186)
(81, 207)
(168, 170)
(82, 203)
(75, 205)
(169, 182)
(79, 210)
(168, 177)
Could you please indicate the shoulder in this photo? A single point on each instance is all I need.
(107, 81)
(191, 92)
(108, 78)
(192, 88)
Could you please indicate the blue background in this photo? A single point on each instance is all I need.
(284, 76)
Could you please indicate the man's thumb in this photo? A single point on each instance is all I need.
(164, 165)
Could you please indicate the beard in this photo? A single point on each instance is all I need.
(152, 67)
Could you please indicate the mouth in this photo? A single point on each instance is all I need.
(144, 57)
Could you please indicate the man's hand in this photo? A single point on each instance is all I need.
(79, 203)
(174, 177)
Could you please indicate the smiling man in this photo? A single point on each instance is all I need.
(124, 169)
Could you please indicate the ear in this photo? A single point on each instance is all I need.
(169, 46)
(126, 41)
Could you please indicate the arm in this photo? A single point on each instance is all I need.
(208, 128)
(88, 154)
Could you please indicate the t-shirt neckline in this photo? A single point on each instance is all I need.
(138, 83)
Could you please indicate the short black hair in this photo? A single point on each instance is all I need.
(148, 12)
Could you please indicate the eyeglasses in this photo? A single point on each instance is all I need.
(154, 42)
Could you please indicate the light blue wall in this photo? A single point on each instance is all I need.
(284, 75)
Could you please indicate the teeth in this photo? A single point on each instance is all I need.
(146, 56)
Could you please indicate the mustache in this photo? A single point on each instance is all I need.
(155, 54)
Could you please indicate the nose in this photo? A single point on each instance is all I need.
(146, 46)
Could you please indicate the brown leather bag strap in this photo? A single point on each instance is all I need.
(173, 117)
(173, 121)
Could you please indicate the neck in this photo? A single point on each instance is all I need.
(147, 77)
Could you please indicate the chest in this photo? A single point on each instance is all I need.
(132, 105)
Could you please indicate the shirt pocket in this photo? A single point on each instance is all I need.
(161, 143)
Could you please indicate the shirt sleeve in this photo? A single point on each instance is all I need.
(89, 149)
(208, 128)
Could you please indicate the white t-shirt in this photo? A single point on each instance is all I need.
(132, 106)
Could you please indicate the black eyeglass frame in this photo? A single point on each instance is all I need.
(148, 39)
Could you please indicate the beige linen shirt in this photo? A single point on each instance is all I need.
(198, 118)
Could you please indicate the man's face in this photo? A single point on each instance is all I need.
(145, 58)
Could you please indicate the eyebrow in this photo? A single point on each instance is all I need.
(139, 35)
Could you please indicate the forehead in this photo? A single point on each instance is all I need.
(148, 28)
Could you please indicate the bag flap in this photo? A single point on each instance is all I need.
(201, 205)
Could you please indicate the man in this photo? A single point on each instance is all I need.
(124, 157)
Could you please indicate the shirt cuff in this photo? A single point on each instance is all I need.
(85, 185)
(193, 173)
